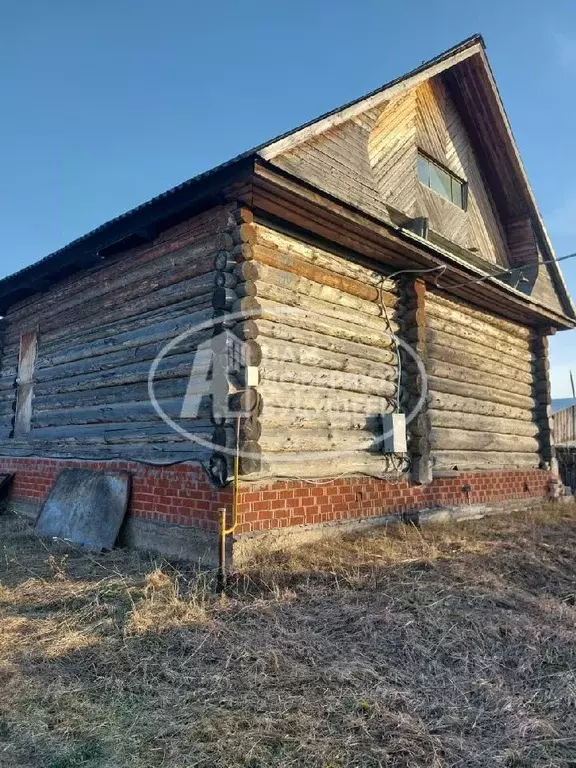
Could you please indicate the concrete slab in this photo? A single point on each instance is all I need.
(85, 507)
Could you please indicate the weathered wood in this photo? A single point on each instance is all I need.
(53, 343)
(544, 397)
(319, 440)
(414, 318)
(486, 326)
(452, 372)
(474, 440)
(282, 303)
(117, 412)
(192, 345)
(139, 284)
(324, 321)
(320, 399)
(277, 261)
(279, 418)
(317, 465)
(478, 365)
(348, 266)
(158, 332)
(488, 351)
(479, 392)
(462, 334)
(441, 401)
(179, 366)
(271, 370)
(485, 460)
(297, 335)
(320, 358)
(287, 281)
(121, 432)
(473, 422)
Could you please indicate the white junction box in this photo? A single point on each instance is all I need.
(394, 431)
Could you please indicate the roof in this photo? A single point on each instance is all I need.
(86, 250)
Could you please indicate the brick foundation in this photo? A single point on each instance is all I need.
(288, 503)
(181, 497)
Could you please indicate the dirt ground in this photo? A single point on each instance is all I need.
(452, 645)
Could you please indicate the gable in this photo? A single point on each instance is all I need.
(370, 161)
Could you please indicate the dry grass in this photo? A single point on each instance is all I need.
(450, 646)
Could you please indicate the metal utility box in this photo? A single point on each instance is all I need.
(394, 431)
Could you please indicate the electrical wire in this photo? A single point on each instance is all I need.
(508, 271)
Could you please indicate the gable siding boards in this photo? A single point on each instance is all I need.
(98, 334)
(371, 164)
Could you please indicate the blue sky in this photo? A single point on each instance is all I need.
(106, 104)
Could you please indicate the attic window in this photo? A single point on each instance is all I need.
(441, 181)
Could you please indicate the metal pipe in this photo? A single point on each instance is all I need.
(223, 531)
(221, 581)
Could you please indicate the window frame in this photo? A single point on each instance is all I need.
(430, 162)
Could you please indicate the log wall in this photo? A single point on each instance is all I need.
(98, 333)
(329, 365)
(485, 408)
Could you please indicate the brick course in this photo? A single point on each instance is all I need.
(182, 495)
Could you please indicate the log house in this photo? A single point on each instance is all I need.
(401, 220)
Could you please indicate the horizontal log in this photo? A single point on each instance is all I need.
(119, 412)
(297, 335)
(64, 338)
(472, 440)
(345, 266)
(318, 440)
(279, 418)
(480, 392)
(318, 465)
(165, 330)
(271, 370)
(328, 320)
(123, 310)
(452, 372)
(178, 366)
(144, 432)
(193, 346)
(160, 454)
(487, 460)
(475, 330)
(278, 394)
(296, 284)
(453, 309)
(165, 389)
(287, 263)
(340, 311)
(475, 422)
(97, 287)
(320, 358)
(479, 364)
(441, 401)
(489, 349)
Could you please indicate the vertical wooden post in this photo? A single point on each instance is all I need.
(414, 331)
(543, 397)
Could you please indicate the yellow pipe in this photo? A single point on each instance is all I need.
(223, 531)
(236, 475)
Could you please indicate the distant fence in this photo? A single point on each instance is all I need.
(567, 465)
(565, 426)
(565, 440)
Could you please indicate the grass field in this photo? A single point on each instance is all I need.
(447, 646)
